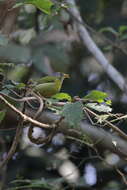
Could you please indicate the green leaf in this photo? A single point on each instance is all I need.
(2, 115)
(43, 5)
(20, 86)
(6, 65)
(18, 73)
(9, 86)
(98, 96)
(122, 29)
(123, 37)
(73, 113)
(107, 48)
(3, 40)
(62, 96)
(109, 29)
(108, 102)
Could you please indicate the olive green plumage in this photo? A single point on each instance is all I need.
(50, 85)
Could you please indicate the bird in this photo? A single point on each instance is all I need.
(50, 85)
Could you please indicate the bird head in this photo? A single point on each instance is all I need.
(61, 75)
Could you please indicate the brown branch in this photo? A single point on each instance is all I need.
(122, 175)
(13, 146)
(3, 171)
(9, 21)
(41, 140)
(108, 124)
(7, 16)
(25, 117)
(24, 99)
(18, 130)
(15, 141)
(38, 140)
(120, 118)
(98, 136)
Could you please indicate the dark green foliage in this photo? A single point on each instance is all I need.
(43, 5)
(2, 115)
(73, 113)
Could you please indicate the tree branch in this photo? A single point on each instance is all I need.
(14, 145)
(98, 136)
(24, 117)
(7, 16)
(92, 47)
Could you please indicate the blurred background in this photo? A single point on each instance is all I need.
(40, 45)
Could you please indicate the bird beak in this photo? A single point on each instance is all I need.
(66, 76)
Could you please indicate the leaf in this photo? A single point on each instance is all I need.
(2, 115)
(107, 48)
(123, 37)
(9, 86)
(3, 40)
(108, 102)
(43, 5)
(20, 86)
(99, 107)
(73, 113)
(6, 65)
(109, 29)
(97, 96)
(18, 73)
(62, 96)
(26, 36)
(122, 29)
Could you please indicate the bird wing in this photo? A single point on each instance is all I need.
(46, 79)
(46, 89)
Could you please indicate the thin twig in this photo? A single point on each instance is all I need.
(31, 127)
(24, 99)
(41, 103)
(3, 172)
(46, 139)
(122, 175)
(13, 147)
(25, 117)
(109, 124)
(119, 118)
(15, 141)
